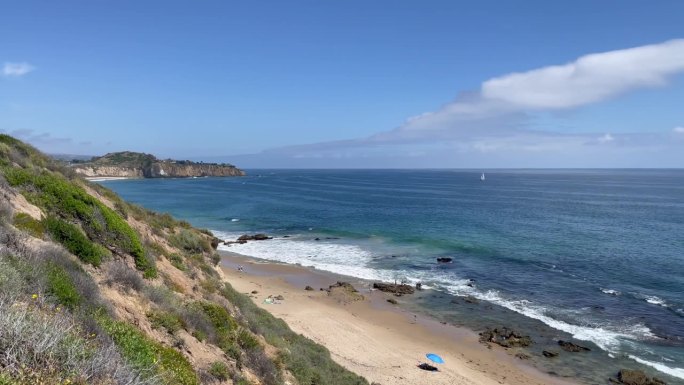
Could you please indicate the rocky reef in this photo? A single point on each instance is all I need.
(138, 165)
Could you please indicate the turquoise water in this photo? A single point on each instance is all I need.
(597, 255)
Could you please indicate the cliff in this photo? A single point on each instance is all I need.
(138, 165)
(95, 290)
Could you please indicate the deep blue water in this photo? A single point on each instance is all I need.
(596, 254)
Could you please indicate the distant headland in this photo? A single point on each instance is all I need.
(128, 164)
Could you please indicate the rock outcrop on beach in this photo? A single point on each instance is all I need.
(635, 377)
(138, 165)
(394, 288)
(505, 337)
(344, 292)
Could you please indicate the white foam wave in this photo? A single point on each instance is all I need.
(675, 372)
(652, 299)
(610, 292)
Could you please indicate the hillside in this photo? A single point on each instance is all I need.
(94, 290)
(139, 165)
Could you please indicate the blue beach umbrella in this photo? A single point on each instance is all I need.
(434, 358)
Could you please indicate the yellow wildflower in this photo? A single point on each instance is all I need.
(34, 296)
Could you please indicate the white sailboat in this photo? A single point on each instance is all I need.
(482, 177)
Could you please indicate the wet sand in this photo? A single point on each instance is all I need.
(371, 337)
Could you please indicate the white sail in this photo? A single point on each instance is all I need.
(482, 177)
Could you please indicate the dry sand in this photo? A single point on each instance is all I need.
(373, 338)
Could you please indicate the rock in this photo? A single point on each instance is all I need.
(522, 356)
(215, 243)
(255, 292)
(392, 301)
(419, 286)
(394, 288)
(549, 354)
(505, 337)
(317, 239)
(308, 288)
(444, 260)
(471, 299)
(256, 237)
(344, 292)
(279, 297)
(570, 347)
(637, 377)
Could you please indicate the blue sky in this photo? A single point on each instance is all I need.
(350, 83)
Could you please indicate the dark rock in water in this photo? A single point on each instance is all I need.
(317, 239)
(286, 236)
(215, 242)
(308, 288)
(332, 238)
(393, 256)
(394, 288)
(635, 377)
(505, 337)
(471, 299)
(392, 301)
(469, 284)
(444, 260)
(256, 237)
(549, 354)
(570, 347)
(522, 356)
(419, 286)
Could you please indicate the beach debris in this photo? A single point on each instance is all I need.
(394, 288)
(505, 337)
(522, 356)
(570, 347)
(308, 288)
(635, 377)
(428, 367)
(549, 354)
(392, 301)
(271, 300)
(445, 260)
(279, 297)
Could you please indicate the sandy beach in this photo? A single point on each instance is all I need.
(372, 337)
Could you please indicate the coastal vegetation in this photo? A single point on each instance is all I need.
(94, 290)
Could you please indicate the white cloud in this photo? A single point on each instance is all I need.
(678, 130)
(16, 69)
(589, 79)
(606, 138)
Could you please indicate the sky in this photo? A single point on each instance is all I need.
(349, 84)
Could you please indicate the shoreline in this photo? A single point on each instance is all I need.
(379, 341)
(106, 178)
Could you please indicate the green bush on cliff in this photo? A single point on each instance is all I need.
(71, 237)
(61, 286)
(25, 222)
(64, 198)
(142, 352)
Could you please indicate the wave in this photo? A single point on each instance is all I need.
(610, 292)
(675, 372)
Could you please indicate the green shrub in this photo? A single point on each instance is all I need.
(246, 340)
(25, 222)
(219, 370)
(142, 352)
(71, 237)
(177, 261)
(61, 286)
(190, 241)
(160, 319)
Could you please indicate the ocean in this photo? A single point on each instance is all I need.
(596, 256)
